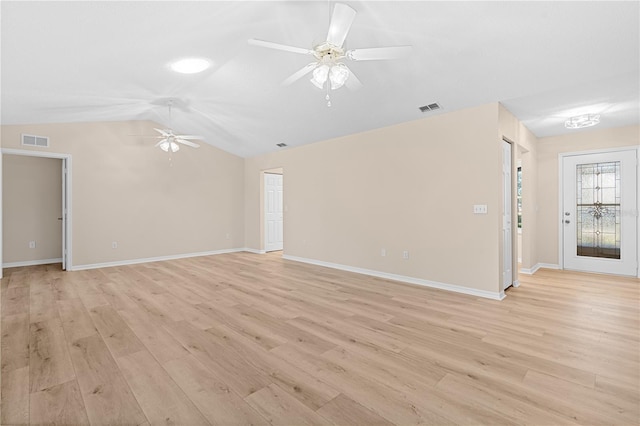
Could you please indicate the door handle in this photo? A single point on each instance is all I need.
(567, 221)
(59, 218)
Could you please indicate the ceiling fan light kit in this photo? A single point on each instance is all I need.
(165, 145)
(328, 68)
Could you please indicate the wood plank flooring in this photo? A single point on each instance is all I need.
(255, 339)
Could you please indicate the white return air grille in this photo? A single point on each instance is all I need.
(33, 140)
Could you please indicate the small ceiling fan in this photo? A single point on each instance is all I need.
(169, 141)
(328, 68)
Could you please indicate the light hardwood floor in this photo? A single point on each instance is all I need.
(254, 339)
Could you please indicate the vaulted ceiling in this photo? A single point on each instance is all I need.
(103, 61)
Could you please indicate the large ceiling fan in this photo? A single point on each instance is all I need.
(328, 68)
(169, 141)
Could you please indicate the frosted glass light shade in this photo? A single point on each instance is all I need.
(320, 75)
(190, 65)
(582, 121)
(166, 146)
(338, 75)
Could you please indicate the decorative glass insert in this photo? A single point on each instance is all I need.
(598, 210)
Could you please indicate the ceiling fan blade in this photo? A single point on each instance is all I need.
(379, 53)
(159, 143)
(341, 21)
(278, 46)
(300, 73)
(187, 143)
(186, 137)
(353, 83)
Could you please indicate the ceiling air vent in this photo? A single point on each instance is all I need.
(430, 107)
(33, 140)
(281, 145)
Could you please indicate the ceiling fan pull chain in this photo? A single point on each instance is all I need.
(327, 97)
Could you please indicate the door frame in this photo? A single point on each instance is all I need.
(66, 162)
(262, 210)
(514, 242)
(561, 157)
(265, 212)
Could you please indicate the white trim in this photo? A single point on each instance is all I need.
(516, 283)
(66, 158)
(31, 263)
(401, 278)
(153, 259)
(254, 251)
(600, 151)
(559, 212)
(537, 266)
(44, 154)
(1, 213)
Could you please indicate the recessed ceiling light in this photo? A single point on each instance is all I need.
(582, 121)
(190, 65)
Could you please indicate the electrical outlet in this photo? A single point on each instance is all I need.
(32, 244)
(383, 252)
(405, 254)
(114, 245)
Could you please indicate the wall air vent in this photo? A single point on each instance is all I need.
(430, 107)
(281, 145)
(33, 140)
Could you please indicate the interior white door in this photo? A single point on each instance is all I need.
(273, 207)
(599, 210)
(63, 214)
(507, 223)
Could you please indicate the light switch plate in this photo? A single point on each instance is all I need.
(480, 209)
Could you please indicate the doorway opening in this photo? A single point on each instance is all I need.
(273, 210)
(48, 223)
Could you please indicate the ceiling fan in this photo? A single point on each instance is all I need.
(328, 68)
(169, 141)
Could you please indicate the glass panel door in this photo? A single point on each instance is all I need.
(599, 225)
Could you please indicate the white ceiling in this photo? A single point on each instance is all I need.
(103, 61)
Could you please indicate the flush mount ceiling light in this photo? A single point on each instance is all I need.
(582, 121)
(190, 65)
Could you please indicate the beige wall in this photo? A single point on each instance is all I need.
(126, 191)
(548, 167)
(406, 187)
(32, 200)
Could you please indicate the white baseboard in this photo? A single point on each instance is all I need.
(516, 283)
(152, 259)
(401, 278)
(534, 269)
(31, 263)
(254, 251)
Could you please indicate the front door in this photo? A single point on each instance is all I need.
(599, 212)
